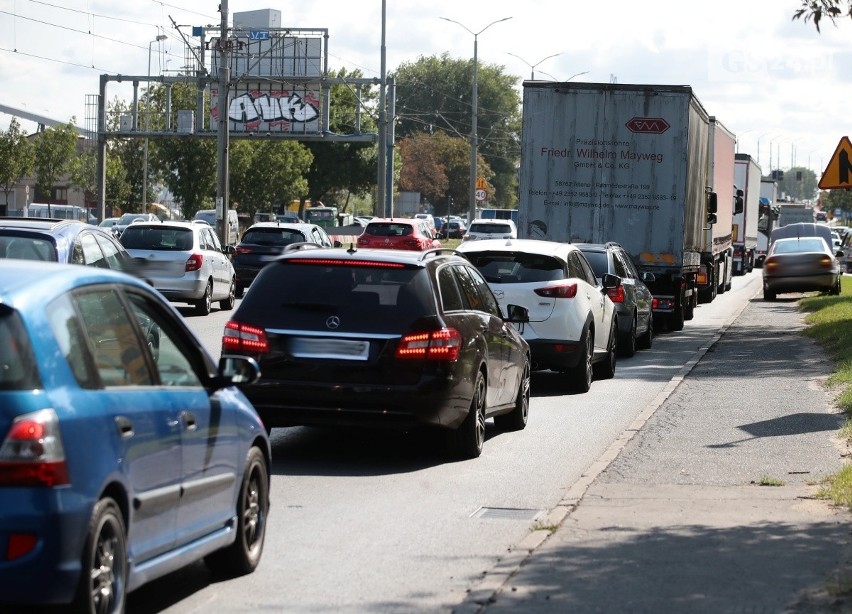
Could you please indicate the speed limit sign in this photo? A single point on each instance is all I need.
(481, 195)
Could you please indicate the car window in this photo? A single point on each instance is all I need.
(273, 237)
(213, 240)
(516, 267)
(111, 252)
(487, 301)
(28, 248)
(451, 299)
(87, 247)
(18, 369)
(618, 266)
(168, 347)
(599, 262)
(586, 269)
(389, 229)
(628, 264)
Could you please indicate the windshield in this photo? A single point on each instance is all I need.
(516, 268)
(22, 247)
(273, 236)
(156, 237)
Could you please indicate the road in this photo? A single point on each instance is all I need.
(383, 522)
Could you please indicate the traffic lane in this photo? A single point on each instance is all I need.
(380, 521)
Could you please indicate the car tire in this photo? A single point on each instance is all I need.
(580, 377)
(239, 290)
(243, 556)
(646, 339)
(469, 438)
(103, 575)
(768, 295)
(516, 420)
(205, 303)
(228, 303)
(677, 319)
(605, 369)
(627, 343)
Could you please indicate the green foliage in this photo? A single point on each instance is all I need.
(267, 172)
(55, 148)
(16, 157)
(801, 189)
(838, 487)
(339, 170)
(435, 94)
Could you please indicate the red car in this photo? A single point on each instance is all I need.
(390, 233)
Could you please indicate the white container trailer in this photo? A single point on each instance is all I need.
(626, 163)
(747, 177)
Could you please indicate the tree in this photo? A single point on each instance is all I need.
(84, 176)
(55, 148)
(434, 94)
(16, 159)
(340, 169)
(266, 172)
(815, 10)
(800, 183)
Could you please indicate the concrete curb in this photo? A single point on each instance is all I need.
(485, 591)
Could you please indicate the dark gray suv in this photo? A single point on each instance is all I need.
(382, 338)
(632, 298)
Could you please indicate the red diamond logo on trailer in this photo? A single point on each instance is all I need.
(648, 125)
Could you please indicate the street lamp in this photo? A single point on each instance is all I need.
(160, 37)
(474, 103)
(585, 72)
(532, 66)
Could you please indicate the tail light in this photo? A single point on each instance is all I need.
(32, 453)
(770, 263)
(194, 263)
(616, 294)
(444, 344)
(558, 290)
(826, 262)
(243, 250)
(245, 338)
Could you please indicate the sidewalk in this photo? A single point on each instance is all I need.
(673, 518)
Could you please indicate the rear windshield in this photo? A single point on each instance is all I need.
(799, 245)
(290, 294)
(18, 369)
(516, 268)
(388, 229)
(28, 247)
(490, 228)
(159, 238)
(272, 236)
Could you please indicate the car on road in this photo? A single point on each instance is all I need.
(490, 229)
(118, 464)
(184, 261)
(573, 323)
(266, 240)
(454, 229)
(398, 233)
(382, 338)
(632, 298)
(800, 264)
(127, 219)
(65, 241)
(108, 223)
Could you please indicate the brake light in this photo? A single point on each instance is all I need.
(444, 344)
(19, 545)
(355, 263)
(240, 337)
(243, 250)
(193, 263)
(770, 263)
(558, 290)
(826, 262)
(32, 453)
(616, 294)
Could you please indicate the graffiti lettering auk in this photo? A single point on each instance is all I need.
(250, 109)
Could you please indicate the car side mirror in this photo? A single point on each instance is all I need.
(610, 281)
(518, 314)
(234, 369)
(840, 253)
(338, 244)
(648, 277)
(229, 250)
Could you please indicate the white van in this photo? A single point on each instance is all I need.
(64, 212)
(209, 216)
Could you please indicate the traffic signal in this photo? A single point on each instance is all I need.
(739, 203)
(777, 175)
(712, 207)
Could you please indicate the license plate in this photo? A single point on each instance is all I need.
(337, 349)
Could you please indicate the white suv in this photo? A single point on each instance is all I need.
(491, 229)
(572, 322)
(184, 261)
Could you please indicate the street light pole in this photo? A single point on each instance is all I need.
(532, 66)
(474, 104)
(160, 37)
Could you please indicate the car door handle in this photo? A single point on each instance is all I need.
(188, 419)
(124, 427)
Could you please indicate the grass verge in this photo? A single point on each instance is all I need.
(829, 320)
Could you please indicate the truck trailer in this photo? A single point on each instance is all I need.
(626, 163)
(747, 177)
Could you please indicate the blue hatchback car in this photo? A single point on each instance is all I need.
(125, 451)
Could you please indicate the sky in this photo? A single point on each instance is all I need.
(776, 83)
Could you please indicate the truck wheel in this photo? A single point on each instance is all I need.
(676, 319)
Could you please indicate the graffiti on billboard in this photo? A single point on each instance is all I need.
(271, 111)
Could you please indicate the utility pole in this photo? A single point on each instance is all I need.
(222, 196)
(381, 188)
